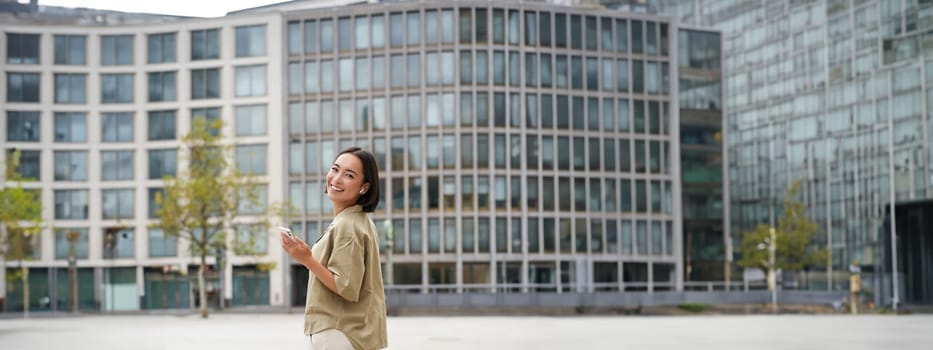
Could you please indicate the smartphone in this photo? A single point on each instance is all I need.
(287, 231)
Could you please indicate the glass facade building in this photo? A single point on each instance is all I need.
(705, 230)
(834, 94)
(524, 147)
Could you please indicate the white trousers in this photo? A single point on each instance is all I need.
(330, 339)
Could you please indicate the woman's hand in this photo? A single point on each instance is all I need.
(296, 248)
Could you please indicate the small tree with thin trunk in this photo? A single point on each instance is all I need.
(201, 203)
(789, 246)
(20, 223)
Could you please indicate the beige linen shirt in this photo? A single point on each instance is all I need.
(350, 250)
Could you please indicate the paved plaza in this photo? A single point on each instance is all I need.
(283, 331)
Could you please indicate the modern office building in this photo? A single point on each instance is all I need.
(97, 102)
(524, 147)
(835, 94)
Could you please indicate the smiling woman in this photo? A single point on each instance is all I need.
(346, 298)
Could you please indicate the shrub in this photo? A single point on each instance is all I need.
(693, 307)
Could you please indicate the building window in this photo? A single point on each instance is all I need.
(70, 49)
(70, 88)
(22, 87)
(251, 80)
(116, 165)
(344, 34)
(162, 125)
(22, 126)
(71, 204)
(63, 245)
(327, 36)
(119, 243)
(116, 127)
(211, 116)
(116, 50)
(161, 244)
(250, 240)
(70, 165)
(161, 86)
(116, 88)
(362, 32)
(70, 127)
(294, 38)
(161, 48)
(699, 50)
(29, 163)
(256, 206)
(250, 120)
(117, 203)
(310, 36)
(205, 44)
(295, 86)
(251, 41)
(22, 48)
(153, 206)
(205, 83)
(251, 159)
(162, 163)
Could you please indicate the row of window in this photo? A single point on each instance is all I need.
(543, 235)
(115, 165)
(557, 194)
(163, 289)
(118, 165)
(118, 50)
(495, 151)
(118, 127)
(71, 88)
(639, 238)
(400, 112)
(541, 275)
(120, 243)
(507, 27)
(119, 203)
(439, 68)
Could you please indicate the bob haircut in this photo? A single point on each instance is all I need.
(370, 199)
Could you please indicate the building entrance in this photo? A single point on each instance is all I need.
(915, 251)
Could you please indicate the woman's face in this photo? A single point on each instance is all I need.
(345, 183)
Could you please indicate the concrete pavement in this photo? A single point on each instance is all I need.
(283, 331)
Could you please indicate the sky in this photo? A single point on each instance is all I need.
(192, 8)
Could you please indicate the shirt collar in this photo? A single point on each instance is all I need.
(349, 210)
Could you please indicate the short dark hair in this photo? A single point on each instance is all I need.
(370, 199)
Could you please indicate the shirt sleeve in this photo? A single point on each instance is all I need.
(347, 264)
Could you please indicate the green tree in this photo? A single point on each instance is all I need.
(20, 223)
(200, 205)
(789, 246)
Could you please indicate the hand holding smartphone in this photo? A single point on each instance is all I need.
(287, 231)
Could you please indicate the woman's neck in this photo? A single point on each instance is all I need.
(340, 207)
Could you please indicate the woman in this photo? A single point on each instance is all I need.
(345, 308)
